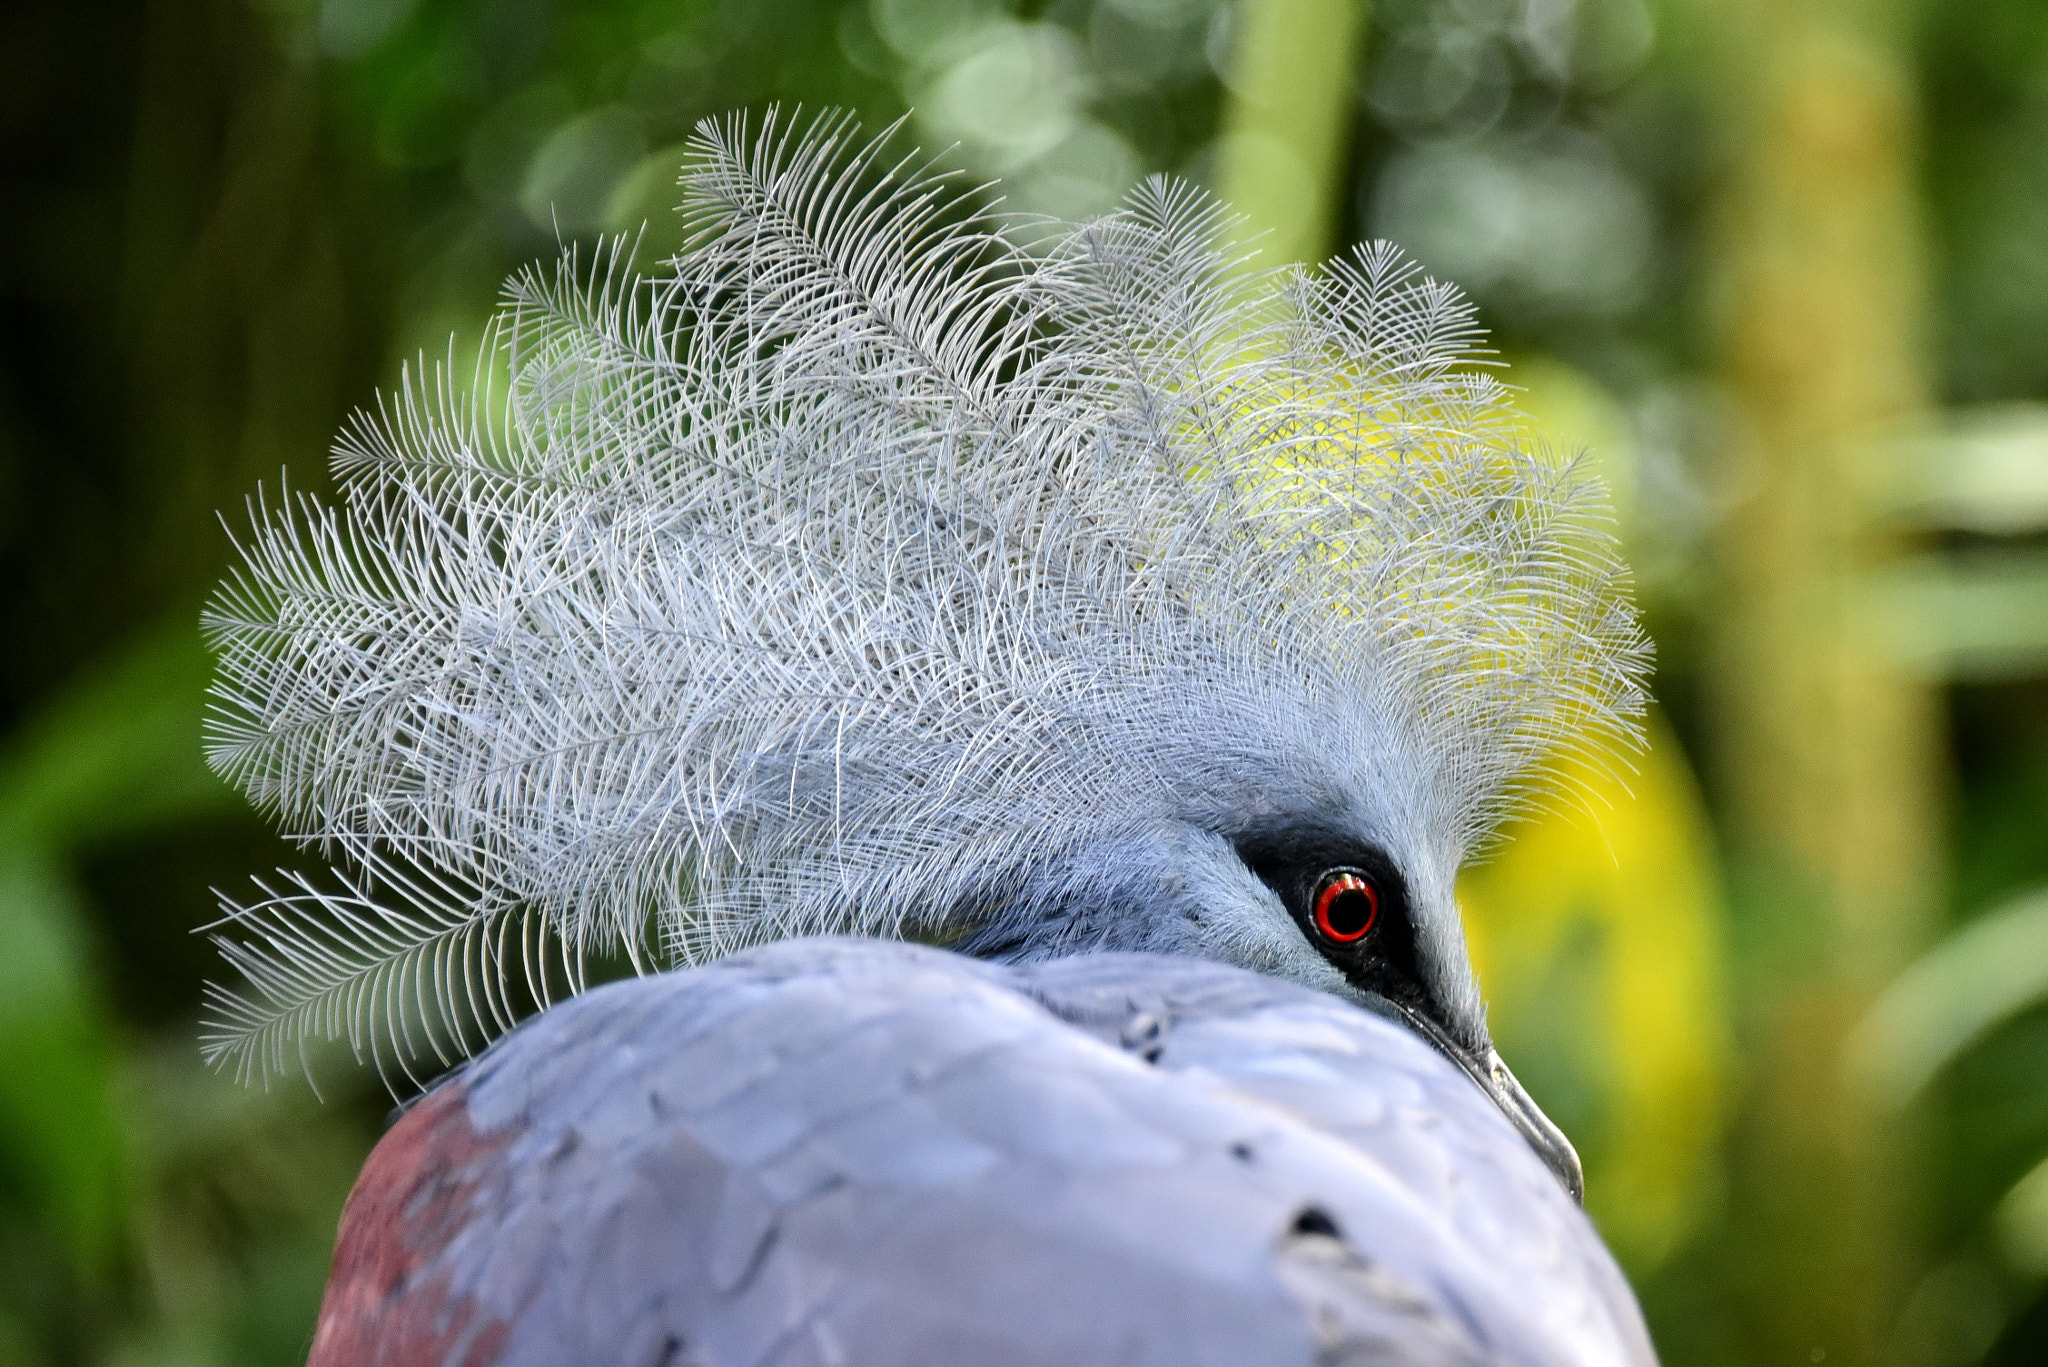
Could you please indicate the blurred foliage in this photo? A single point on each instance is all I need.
(1596, 931)
(232, 220)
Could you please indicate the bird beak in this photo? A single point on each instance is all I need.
(1522, 1112)
(1527, 1117)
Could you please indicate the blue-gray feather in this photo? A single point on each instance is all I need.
(866, 570)
(855, 1152)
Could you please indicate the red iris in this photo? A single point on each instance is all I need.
(1347, 906)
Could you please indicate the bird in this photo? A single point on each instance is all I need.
(1008, 700)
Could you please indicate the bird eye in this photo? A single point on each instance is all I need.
(1347, 905)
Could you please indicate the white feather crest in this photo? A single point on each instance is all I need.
(858, 556)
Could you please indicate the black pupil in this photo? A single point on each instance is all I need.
(1350, 913)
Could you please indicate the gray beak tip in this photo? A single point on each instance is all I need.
(1529, 1121)
(1517, 1105)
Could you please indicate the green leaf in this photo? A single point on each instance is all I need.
(1989, 971)
(117, 751)
(60, 1145)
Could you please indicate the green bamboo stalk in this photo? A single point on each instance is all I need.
(1287, 124)
(1830, 752)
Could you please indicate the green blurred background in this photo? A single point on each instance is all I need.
(1781, 264)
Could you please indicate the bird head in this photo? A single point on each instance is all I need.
(884, 566)
(1333, 883)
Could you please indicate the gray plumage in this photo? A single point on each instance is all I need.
(853, 1152)
(1143, 627)
(866, 571)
